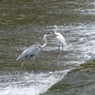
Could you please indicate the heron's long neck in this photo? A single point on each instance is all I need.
(45, 41)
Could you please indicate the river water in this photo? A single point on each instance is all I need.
(23, 23)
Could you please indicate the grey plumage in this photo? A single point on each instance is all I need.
(33, 50)
(30, 52)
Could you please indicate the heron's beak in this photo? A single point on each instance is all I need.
(49, 33)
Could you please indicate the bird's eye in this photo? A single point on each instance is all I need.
(48, 33)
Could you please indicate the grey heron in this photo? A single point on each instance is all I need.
(33, 51)
(59, 37)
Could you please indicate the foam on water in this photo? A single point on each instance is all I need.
(30, 84)
(81, 45)
(80, 40)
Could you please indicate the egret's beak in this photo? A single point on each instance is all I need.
(55, 34)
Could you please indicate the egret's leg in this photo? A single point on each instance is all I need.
(59, 47)
(22, 64)
(62, 47)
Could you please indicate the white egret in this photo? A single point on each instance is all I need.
(60, 38)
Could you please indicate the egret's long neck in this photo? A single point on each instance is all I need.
(55, 30)
(45, 41)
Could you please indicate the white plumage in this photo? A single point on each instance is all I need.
(60, 38)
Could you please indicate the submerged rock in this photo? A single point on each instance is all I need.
(80, 81)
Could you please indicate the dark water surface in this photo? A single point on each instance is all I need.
(47, 12)
(23, 23)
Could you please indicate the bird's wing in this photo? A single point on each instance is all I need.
(30, 52)
(61, 39)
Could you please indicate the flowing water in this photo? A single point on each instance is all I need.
(23, 23)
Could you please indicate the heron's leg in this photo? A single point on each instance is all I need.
(22, 64)
(58, 47)
(34, 64)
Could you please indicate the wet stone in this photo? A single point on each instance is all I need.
(80, 81)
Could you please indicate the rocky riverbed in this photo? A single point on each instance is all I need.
(80, 81)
